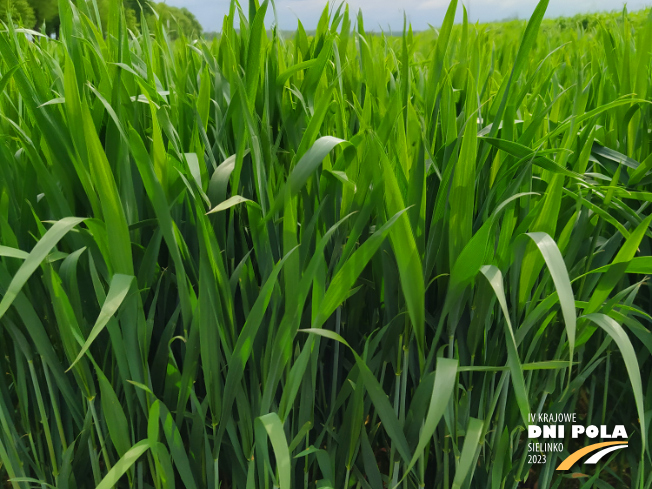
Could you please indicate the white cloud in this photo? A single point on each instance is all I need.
(432, 4)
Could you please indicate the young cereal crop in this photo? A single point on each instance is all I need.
(337, 259)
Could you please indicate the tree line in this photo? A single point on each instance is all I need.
(43, 15)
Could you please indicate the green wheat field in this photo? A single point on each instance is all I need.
(328, 259)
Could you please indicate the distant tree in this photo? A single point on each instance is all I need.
(137, 5)
(20, 10)
(178, 21)
(45, 11)
(132, 11)
(34, 14)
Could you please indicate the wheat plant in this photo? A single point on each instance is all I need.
(336, 259)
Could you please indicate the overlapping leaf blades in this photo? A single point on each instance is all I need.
(448, 214)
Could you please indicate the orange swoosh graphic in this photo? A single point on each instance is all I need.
(575, 456)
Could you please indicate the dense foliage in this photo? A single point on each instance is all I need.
(337, 260)
(43, 15)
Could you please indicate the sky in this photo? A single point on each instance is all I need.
(387, 15)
